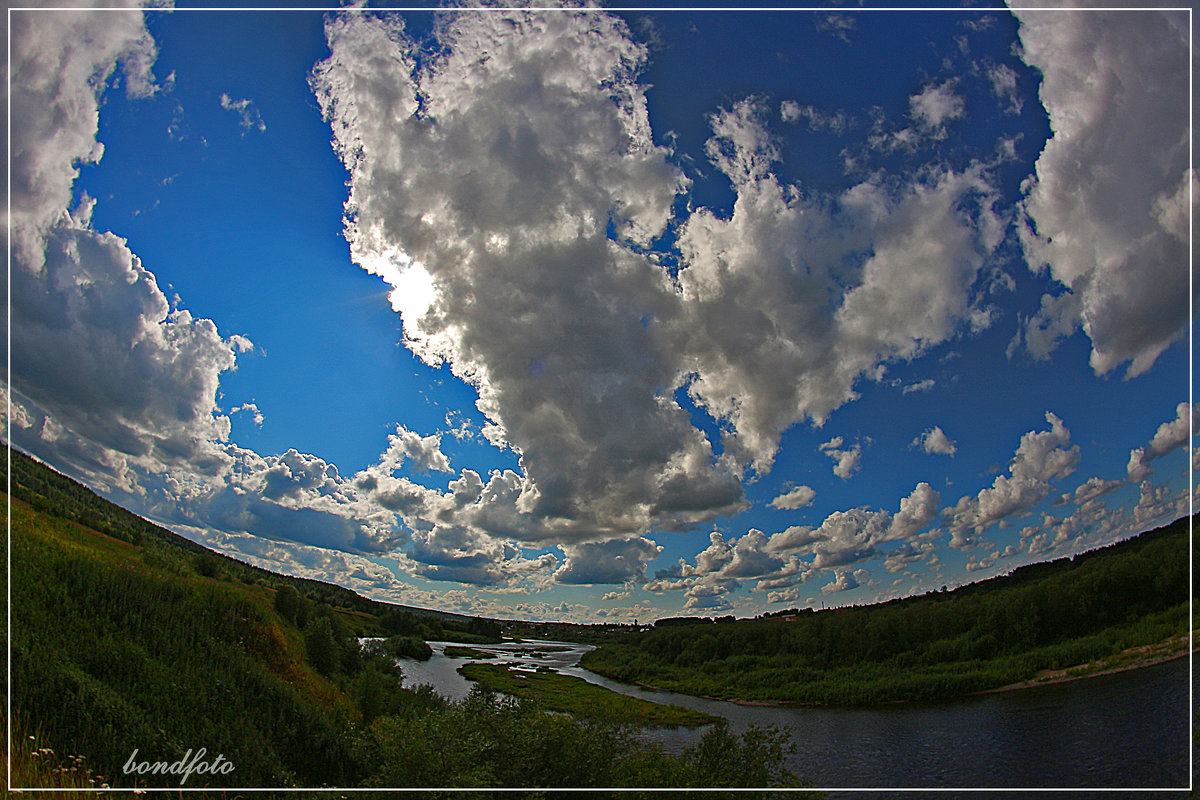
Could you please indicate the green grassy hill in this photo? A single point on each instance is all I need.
(55, 494)
(944, 644)
(113, 651)
(127, 637)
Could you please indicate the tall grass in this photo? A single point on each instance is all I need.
(121, 643)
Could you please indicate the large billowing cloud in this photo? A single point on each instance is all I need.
(822, 290)
(115, 377)
(614, 561)
(1109, 207)
(486, 205)
(59, 59)
(110, 380)
(508, 189)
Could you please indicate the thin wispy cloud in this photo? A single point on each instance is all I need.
(248, 116)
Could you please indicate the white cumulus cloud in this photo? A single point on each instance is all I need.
(120, 381)
(845, 459)
(487, 205)
(934, 440)
(844, 580)
(1169, 437)
(1108, 208)
(794, 499)
(1041, 457)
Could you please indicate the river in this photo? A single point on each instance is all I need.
(1128, 730)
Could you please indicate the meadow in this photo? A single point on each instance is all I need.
(573, 695)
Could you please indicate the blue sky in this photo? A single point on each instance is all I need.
(613, 314)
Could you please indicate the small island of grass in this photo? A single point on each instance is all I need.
(455, 651)
(576, 696)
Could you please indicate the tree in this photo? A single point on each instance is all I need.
(484, 627)
(287, 602)
(321, 646)
(208, 566)
(757, 758)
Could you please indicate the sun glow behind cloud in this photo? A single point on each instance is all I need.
(413, 292)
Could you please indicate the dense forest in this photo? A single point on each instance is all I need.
(126, 637)
(940, 645)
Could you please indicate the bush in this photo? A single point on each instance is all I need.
(320, 645)
(407, 647)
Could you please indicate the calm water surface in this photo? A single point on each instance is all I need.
(1128, 730)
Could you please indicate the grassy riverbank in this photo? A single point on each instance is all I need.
(996, 633)
(1129, 659)
(136, 639)
(577, 696)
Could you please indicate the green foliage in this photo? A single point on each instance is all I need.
(484, 628)
(406, 647)
(60, 497)
(723, 759)
(320, 645)
(404, 622)
(111, 654)
(441, 627)
(123, 643)
(288, 603)
(494, 740)
(375, 690)
(941, 645)
(577, 696)
(208, 566)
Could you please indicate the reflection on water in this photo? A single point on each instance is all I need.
(441, 671)
(1126, 730)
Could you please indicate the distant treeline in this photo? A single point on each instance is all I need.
(939, 645)
(669, 622)
(141, 640)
